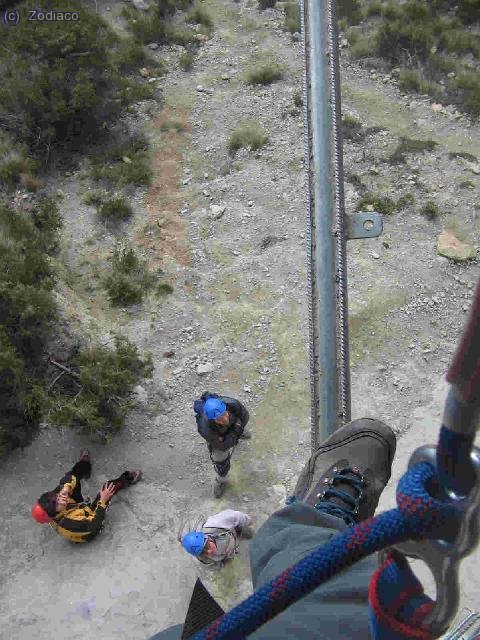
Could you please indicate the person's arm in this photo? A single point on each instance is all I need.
(68, 484)
(228, 519)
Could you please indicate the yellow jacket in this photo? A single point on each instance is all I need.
(79, 522)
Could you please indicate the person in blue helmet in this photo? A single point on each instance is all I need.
(218, 540)
(221, 421)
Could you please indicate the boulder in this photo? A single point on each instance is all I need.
(450, 246)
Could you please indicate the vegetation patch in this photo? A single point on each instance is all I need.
(409, 145)
(28, 239)
(128, 163)
(405, 200)
(199, 15)
(430, 210)
(129, 279)
(248, 135)
(292, 22)
(378, 203)
(93, 393)
(266, 4)
(264, 72)
(464, 155)
(115, 209)
(435, 45)
(62, 84)
(186, 59)
(156, 24)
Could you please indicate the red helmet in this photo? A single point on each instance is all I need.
(39, 514)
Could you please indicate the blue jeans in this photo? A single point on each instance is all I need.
(337, 610)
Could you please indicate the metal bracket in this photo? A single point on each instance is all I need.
(363, 224)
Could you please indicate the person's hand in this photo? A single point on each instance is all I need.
(107, 492)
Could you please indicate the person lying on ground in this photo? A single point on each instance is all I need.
(221, 421)
(339, 486)
(217, 541)
(68, 513)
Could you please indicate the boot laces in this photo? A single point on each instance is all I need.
(349, 512)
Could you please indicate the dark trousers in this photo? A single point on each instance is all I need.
(83, 469)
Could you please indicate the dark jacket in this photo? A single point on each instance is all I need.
(211, 431)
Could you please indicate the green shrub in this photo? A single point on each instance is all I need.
(266, 4)
(405, 200)
(27, 312)
(60, 83)
(350, 10)
(128, 163)
(373, 8)
(14, 164)
(186, 60)
(414, 80)
(115, 209)
(95, 198)
(129, 279)
(363, 48)
(129, 55)
(469, 85)
(155, 25)
(353, 35)
(391, 11)
(98, 401)
(466, 184)
(199, 15)
(264, 72)
(352, 128)
(248, 135)
(457, 41)
(297, 98)
(430, 210)
(292, 17)
(400, 40)
(380, 204)
(409, 145)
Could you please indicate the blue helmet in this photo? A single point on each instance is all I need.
(194, 542)
(214, 408)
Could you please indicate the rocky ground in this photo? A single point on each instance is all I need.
(231, 242)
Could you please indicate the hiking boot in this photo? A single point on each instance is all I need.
(348, 472)
(246, 434)
(134, 476)
(218, 488)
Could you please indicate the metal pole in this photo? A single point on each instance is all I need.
(330, 380)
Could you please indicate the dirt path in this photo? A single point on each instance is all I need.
(239, 303)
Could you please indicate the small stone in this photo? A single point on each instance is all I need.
(187, 180)
(204, 369)
(140, 5)
(375, 255)
(199, 88)
(206, 193)
(153, 46)
(250, 203)
(168, 354)
(474, 167)
(171, 445)
(151, 80)
(217, 211)
(247, 389)
(144, 72)
(436, 106)
(127, 160)
(450, 246)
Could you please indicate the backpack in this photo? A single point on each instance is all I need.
(199, 404)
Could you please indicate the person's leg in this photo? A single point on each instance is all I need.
(221, 464)
(81, 469)
(339, 486)
(125, 480)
